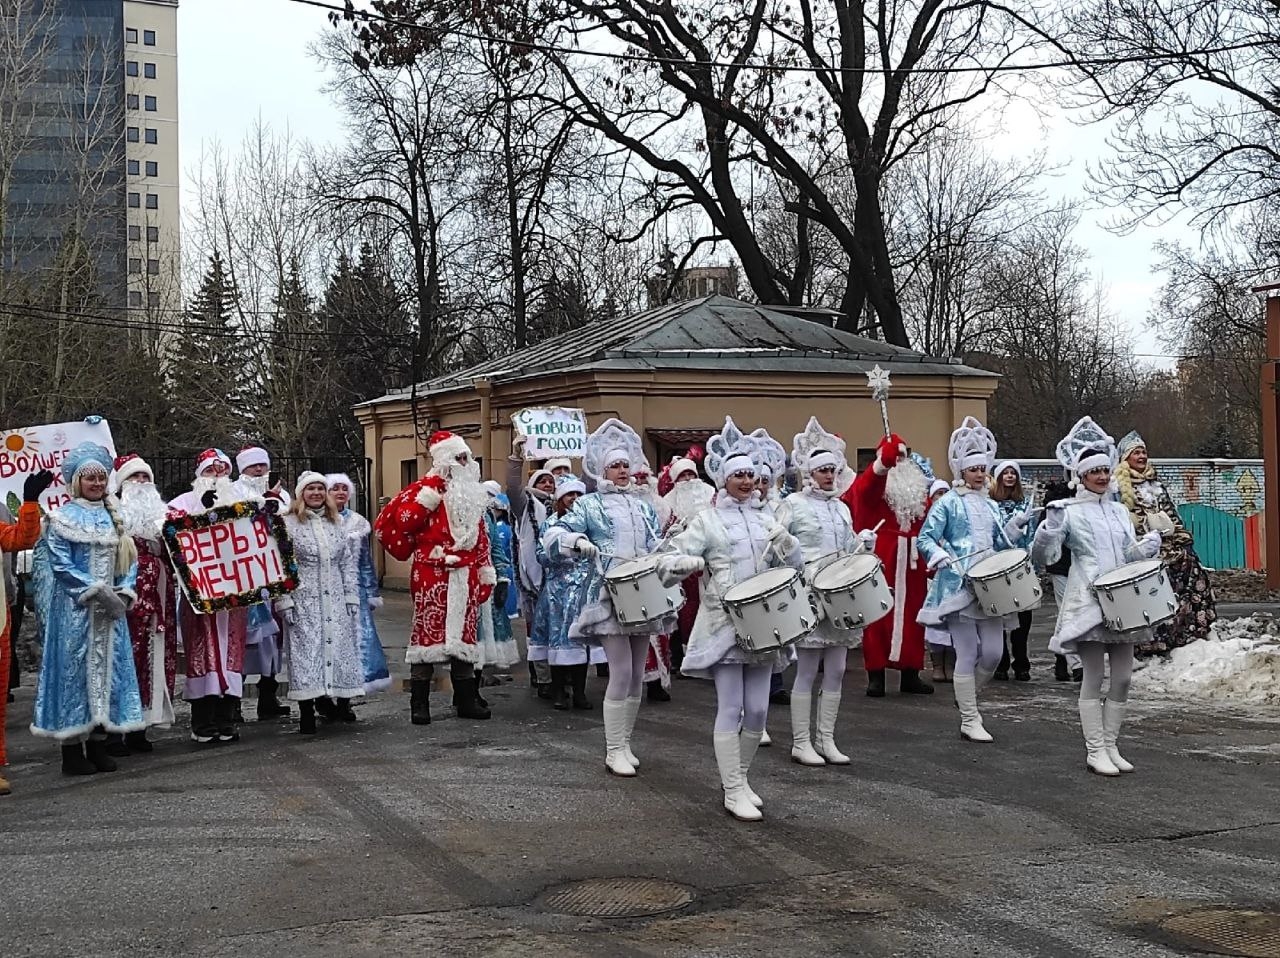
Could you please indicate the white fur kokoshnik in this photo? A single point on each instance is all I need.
(1085, 448)
(569, 483)
(306, 479)
(815, 448)
(773, 457)
(252, 456)
(339, 479)
(972, 444)
(612, 441)
(1129, 442)
(729, 452)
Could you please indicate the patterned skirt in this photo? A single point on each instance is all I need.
(1196, 604)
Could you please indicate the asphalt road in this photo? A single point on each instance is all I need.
(382, 838)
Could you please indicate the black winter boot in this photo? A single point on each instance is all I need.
(559, 688)
(479, 684)
(325, 708)
(269, 706)
(344, 712)
(74, 761)
(307, 717)
(466, 702)
(1060, 671)
(115, 745)
(875, 683)
(96, 751)
(420, 701)
(654, 691)
(227, 707)
(578, 676)
(204, 726)
(138, 742)
(912, 684)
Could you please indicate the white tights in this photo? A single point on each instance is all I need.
(1092, 655)
(742, 695)
(979, 643)
(832, 659)
(626, 655)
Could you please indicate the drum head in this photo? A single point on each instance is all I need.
(632, 568)
(999, 563)
(1128, 572)
(845, 571)
(760, 584)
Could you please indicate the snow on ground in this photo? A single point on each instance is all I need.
(1239, 664)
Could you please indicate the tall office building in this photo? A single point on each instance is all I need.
(93, 149)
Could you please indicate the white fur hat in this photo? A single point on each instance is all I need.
(306, 479)
(252, 456)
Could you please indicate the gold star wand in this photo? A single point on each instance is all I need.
(878, 383)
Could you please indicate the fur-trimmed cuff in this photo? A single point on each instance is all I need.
(488, 576)
(428, 498)
(128, 596)
(879, 468)
(91, 593)
(375, 602)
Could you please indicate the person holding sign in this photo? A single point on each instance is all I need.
(377, 678)
(321, 614)
(14, 537)
(84, 571)
(439, 521)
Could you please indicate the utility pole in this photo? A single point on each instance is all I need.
(1271, 434)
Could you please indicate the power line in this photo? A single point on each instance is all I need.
(365, 15)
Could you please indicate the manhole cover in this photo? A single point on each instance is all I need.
(616, 897)
(1227, 931)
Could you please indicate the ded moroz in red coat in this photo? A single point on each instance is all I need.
(451, 576)
(897, 640)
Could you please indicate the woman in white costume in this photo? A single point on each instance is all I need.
(1100, 535)
(734, 540)
(962, 528)
(821, 522)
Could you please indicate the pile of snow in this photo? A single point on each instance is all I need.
(1239, 664)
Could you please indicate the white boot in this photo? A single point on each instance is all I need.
(801, 745)
(1097, 759)
(966, 694)
(615, 738)
(729, 761)
(765, 741)
(633, 710)
(748, 742)
(1112, 719)
(828, 709)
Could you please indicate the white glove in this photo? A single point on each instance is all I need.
(684, 566)
(940, 560)
(375, 602)
(866, 541)
(1152, 542)
(585, 548)
(1161, 523)
(1055, 516)
(1019, 520)
(783, 542)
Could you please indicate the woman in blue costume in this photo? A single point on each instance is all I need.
(377, 677)
(84, 569)
(963, 528)
(564, 590)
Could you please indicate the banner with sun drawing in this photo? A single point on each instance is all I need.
(32, 448)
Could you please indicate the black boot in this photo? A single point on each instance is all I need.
(542, 689)
(602, 670)
(559, 689)
(269, 706)
(227, 706)
(912, 684)
(138, 742)
(344, 712)
(237, 716)
(1077, 675)
(466, 702)
(204, 727)
(96, 751)
(479, 684)
(655, 692)
(74, 761)
(875, 683)
(1060, 671)
(325, 708)
(115, 745)
(420, 701)
(307, 717)
(578, 677)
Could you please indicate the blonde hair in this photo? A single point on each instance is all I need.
(298, 509)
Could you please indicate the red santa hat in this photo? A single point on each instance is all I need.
(445, 447)
(130, 464)
(252, 456)
(208, 458)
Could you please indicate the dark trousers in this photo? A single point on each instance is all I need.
(458, 669)
(1017, 639)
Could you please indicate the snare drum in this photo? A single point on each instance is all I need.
(1005, 583)
(770, 610)
(638, 595)
(813, 567)
(1135, 596)
(853, 591)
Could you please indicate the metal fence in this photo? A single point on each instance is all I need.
(173, 474)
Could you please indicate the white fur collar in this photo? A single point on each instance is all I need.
(726, 501)
(822, 495)
(966, 491)
(82, 521)
(604, 486)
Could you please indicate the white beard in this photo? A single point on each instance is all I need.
(686, 499)
(142, 510)
(256, 485)
(224, 490)
(464, 502)
(905, 490)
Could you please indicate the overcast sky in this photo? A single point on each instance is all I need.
(243, 58)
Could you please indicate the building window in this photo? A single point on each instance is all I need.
(153, 300)
(131, 134)
(134, 168)
(149, 104)
(153, 168)
(148, 38)
(131, 101)
(131, 68)
(153, 201)
(135, 232)
(153, 234)
(151, 136)
(135, 298)
(408, 472)
(130, 35)
(135, 201)
(153, 267)
(149, 71)
(135, 266)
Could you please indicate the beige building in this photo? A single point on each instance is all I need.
(150, 46)
(674, 373)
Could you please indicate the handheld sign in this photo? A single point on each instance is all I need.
(231, 557)
(29, 449)
(551, 432)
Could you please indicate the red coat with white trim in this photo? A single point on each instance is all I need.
(448, 584)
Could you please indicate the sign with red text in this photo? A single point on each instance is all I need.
(30, 449)
(231, 556)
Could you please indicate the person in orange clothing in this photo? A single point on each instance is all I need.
(14, 537)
